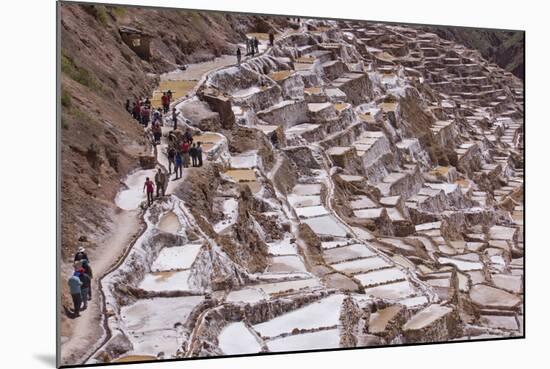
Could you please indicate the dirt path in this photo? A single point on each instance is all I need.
(87, 330)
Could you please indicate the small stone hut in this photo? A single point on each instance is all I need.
(139, 41)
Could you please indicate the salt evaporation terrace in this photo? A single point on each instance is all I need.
(363, 186)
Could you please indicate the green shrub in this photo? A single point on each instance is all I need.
(79, 74)
(118, 11)
(65, 99)
(101, 14)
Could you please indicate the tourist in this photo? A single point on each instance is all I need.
(184, 148)
(76, 292)
(178, 165)
(150, 189)
(165, 102)
(160, 181)
(238, 56)
(175, 117)
(187, 136)
(80, 254)
(88, 269)
(199, 154)
(170, 96)
(157, 133)
(193, 154)
(145, 115)
(137, 112)
(147, 103)
(127, 106)
(271, 38)
(171, 159)
(84, 287)
(257, 45)
(156, 116)
(251, 41)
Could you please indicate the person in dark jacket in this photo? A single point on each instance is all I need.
(88, 270)
(84, 288)
(160, 181)
(76, 292)
(199, 154)
(80, 254)
(257, 45)
(238, 56)
(171, 159)
(175, 117)
(193, 154)
(178, 164)
(271, 38)
(187, 136)
(127, 106)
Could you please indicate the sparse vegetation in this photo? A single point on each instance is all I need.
(78, 73)
(101, 14)
(117, 11)
(65, 99)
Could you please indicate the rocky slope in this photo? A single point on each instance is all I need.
(501, 47)
(100, 142)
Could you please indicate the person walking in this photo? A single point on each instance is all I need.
(88, 269)
(157, 133)
(76, 292)
(179, 164)
(238, 56)
(175, 117)
(187, 136)
(185, 153)
(160, 181)
(271, 38)
(80, 254)
(84, 288)
(137, 112)
(257, 45)
(252, 49)
(150, 189)
(193, 154)
(145, 113)
(171, 159)
(199, 154)
(165, 102)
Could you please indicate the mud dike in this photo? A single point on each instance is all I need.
(363, 186)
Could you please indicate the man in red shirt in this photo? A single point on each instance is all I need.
(165, 102)
(185, 153)
(150, 186)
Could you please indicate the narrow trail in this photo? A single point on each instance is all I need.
(125, 229)
(127, 226)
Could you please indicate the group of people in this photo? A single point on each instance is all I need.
(143, 112)
(160, 185)
(253, 47)
(80, 282)
(180, 150)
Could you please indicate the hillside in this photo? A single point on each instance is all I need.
(503, 48)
